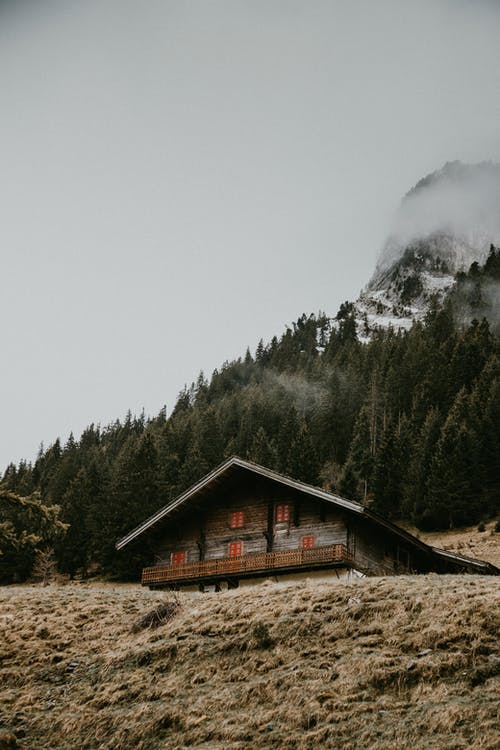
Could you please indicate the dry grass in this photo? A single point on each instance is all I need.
(378, 664)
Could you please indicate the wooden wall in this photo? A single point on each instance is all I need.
(205, 532)
(181, 535)
(381, 553)
(252, 535)
(309, 518)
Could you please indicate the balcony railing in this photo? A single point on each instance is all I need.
(262, 562)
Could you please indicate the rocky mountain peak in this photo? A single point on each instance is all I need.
(444, 223)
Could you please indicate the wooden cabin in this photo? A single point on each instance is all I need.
(243, 522)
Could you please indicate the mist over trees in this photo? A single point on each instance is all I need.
(408, 423)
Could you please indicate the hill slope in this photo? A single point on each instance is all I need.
(380, 663)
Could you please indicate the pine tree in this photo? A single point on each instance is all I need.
(302, 459)
(209, 437)
(73, 551)
(485, 422)
(49, 463)
(389, 469)
(360, 460)
(287, 433)
(452, 489)
(133, 492)
(422, 450)
(195, 465)
(27, 526)
(263, 450)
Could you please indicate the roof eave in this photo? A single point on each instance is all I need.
(215, 474)
(466, 560)
(145, 525)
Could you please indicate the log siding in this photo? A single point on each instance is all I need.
(332, 530)
(209, 535)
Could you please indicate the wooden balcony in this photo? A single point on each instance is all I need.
(246, 566)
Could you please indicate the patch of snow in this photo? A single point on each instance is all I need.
(436, 283)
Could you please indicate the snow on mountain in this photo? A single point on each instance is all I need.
(445, 223)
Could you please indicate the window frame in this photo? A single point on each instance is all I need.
(236, 544)
(237, 519)
(308, 541)
(282, 513)
(173, 556)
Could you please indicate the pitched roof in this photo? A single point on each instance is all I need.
(235, 464)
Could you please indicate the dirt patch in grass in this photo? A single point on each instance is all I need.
(385, 664)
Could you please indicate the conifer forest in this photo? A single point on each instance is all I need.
(408, 423)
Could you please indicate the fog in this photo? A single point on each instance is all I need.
(461, 201)
(488, 306)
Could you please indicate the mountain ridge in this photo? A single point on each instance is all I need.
(421, 257)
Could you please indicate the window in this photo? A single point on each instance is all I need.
(237, 519)
(282, 513)
(178, 558)
(307, 542)
(234, 549)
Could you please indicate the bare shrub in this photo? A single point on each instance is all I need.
(261, 636)
(157, 616)
(45, 567)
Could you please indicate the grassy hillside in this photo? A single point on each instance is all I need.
(381, 663)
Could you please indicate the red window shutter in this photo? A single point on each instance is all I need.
(282, 513)
(178, 558)
(307, 542)
(234, 549)
(237, 519)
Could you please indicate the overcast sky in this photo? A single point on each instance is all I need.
(180, 179)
